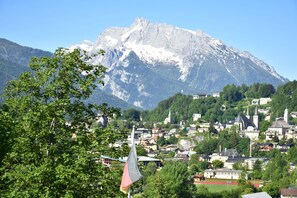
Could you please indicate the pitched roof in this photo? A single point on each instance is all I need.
(257, 195)
(289, 192)
(244, 120)
(280, 124)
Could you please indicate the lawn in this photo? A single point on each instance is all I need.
(218, 187)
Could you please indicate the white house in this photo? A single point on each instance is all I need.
(196, 116)
(223, 173)
(264, 101)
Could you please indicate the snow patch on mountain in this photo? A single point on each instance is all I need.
(152, 54)
(150, 60)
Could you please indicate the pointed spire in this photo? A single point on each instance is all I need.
(256, 118)
(286, 115)
(248, 112)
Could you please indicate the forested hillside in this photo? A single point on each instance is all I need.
(232, 101)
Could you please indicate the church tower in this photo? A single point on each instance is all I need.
(256, 118)
(286, 115)
(248, 113)
(169, 116)
(168, 119)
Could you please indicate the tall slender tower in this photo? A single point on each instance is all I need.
(286, 115)
(248, 113)
(256, 118)
(168, 119)
(169, 116)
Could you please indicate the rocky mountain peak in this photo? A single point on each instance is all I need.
(150, 61)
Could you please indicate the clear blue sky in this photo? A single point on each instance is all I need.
(266, 28)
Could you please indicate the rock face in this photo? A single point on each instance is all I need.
(148, 62)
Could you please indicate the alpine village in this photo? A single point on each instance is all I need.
(240, 141)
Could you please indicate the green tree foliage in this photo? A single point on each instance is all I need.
(239, 166)
(53, 150)
(195, 164)
(194, 159)
(202, 191)
(141, 150)
(193, 169)
(258, 90)
(149, 169)
(246, 187)
(171, 154)
(285, 97)
(292, 154)
(233, 100)
(217, 164)
(231, 93)
(6, 126)
(277, 168)
(272, 189)
(171, 140)
(203, 165)
(161, 141)
(264, 125)
(172, 181)
(231, 139)
(131, 115)
(257, 170)
(207, 146)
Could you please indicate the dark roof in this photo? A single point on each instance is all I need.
(265, 144)
(236, 159)
(289, 192)
(198, 175)
(244, 120)
(205, 156)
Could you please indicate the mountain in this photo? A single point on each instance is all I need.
(148, 62)
(14, 59)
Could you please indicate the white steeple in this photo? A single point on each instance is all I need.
(256, 118)
(168, 119)
(286, 115)
(248, 113)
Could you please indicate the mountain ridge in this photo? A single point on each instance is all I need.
(189, 61)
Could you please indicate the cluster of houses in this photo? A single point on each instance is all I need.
(247, 125)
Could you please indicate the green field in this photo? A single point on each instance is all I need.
(218, 187)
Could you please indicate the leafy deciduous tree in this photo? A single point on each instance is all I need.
(172, 181)
(217, 164)
(53, 149)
